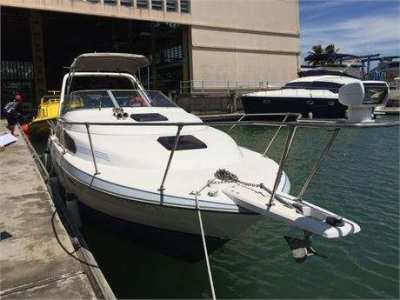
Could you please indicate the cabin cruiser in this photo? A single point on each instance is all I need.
(314, 96)
(134, 155)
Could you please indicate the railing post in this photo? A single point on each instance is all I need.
(317, 164)
(96, 171)
(274, 136)
(171, 155)
(234, 125)
(62, 140)
(288, 144)
(202, 86)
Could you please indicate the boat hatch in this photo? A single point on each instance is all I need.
(109, 62)
(149, 117)
(185, 142)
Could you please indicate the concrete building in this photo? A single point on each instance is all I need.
(220, 41)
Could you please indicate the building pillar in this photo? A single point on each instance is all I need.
(154, 84)
(185, 53)
(38, 62)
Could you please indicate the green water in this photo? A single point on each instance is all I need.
(359, 181)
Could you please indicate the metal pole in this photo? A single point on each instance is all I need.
(317, 164)
(274, 136)
(96, 171)
(171, 155)
(62, 140)
(234, 125)
(148, 78)
(288, 144)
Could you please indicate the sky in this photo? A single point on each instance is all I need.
(354, 26)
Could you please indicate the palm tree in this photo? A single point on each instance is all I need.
(319, 56)
(330, 52)
(316, 55)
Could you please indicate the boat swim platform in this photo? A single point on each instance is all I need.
(32, 262)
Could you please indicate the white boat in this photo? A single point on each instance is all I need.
(314, 96)
(134, 155)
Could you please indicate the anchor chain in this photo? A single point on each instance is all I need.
(228, 177)
(225, 176)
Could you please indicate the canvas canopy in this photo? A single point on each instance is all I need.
(109, 62)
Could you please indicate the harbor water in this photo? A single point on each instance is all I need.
(360, 181)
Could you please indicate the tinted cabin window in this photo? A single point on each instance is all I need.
(375, 93)
(186, 142)
(100, 83)
(331, 86)
(69, 143)
(298, 85)
(314, 85)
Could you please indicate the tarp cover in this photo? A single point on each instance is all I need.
(7, 139)
(109, 62)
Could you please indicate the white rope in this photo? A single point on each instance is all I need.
(203, 238)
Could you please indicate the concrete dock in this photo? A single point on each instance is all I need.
(32, 263)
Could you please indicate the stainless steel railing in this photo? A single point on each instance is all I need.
(290, 120)
(292, 126)
(193, 87)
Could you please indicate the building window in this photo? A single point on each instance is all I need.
(111, 2)
(185, 6)
(172, 54)
(172, 5)
(157, 4)
(127, 2)
(142, 4)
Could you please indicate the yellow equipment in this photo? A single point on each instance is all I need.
(47, 112)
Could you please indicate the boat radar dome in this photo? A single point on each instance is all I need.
(361, 98)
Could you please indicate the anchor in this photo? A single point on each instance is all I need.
(301, 248)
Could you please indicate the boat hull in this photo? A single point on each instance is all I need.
(223, 225)
(319, 108)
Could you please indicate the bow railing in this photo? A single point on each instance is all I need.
(292, 121)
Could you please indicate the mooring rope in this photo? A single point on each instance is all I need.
(203, 238)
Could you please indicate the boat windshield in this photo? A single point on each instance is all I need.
(88, 99)
(375, 93)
